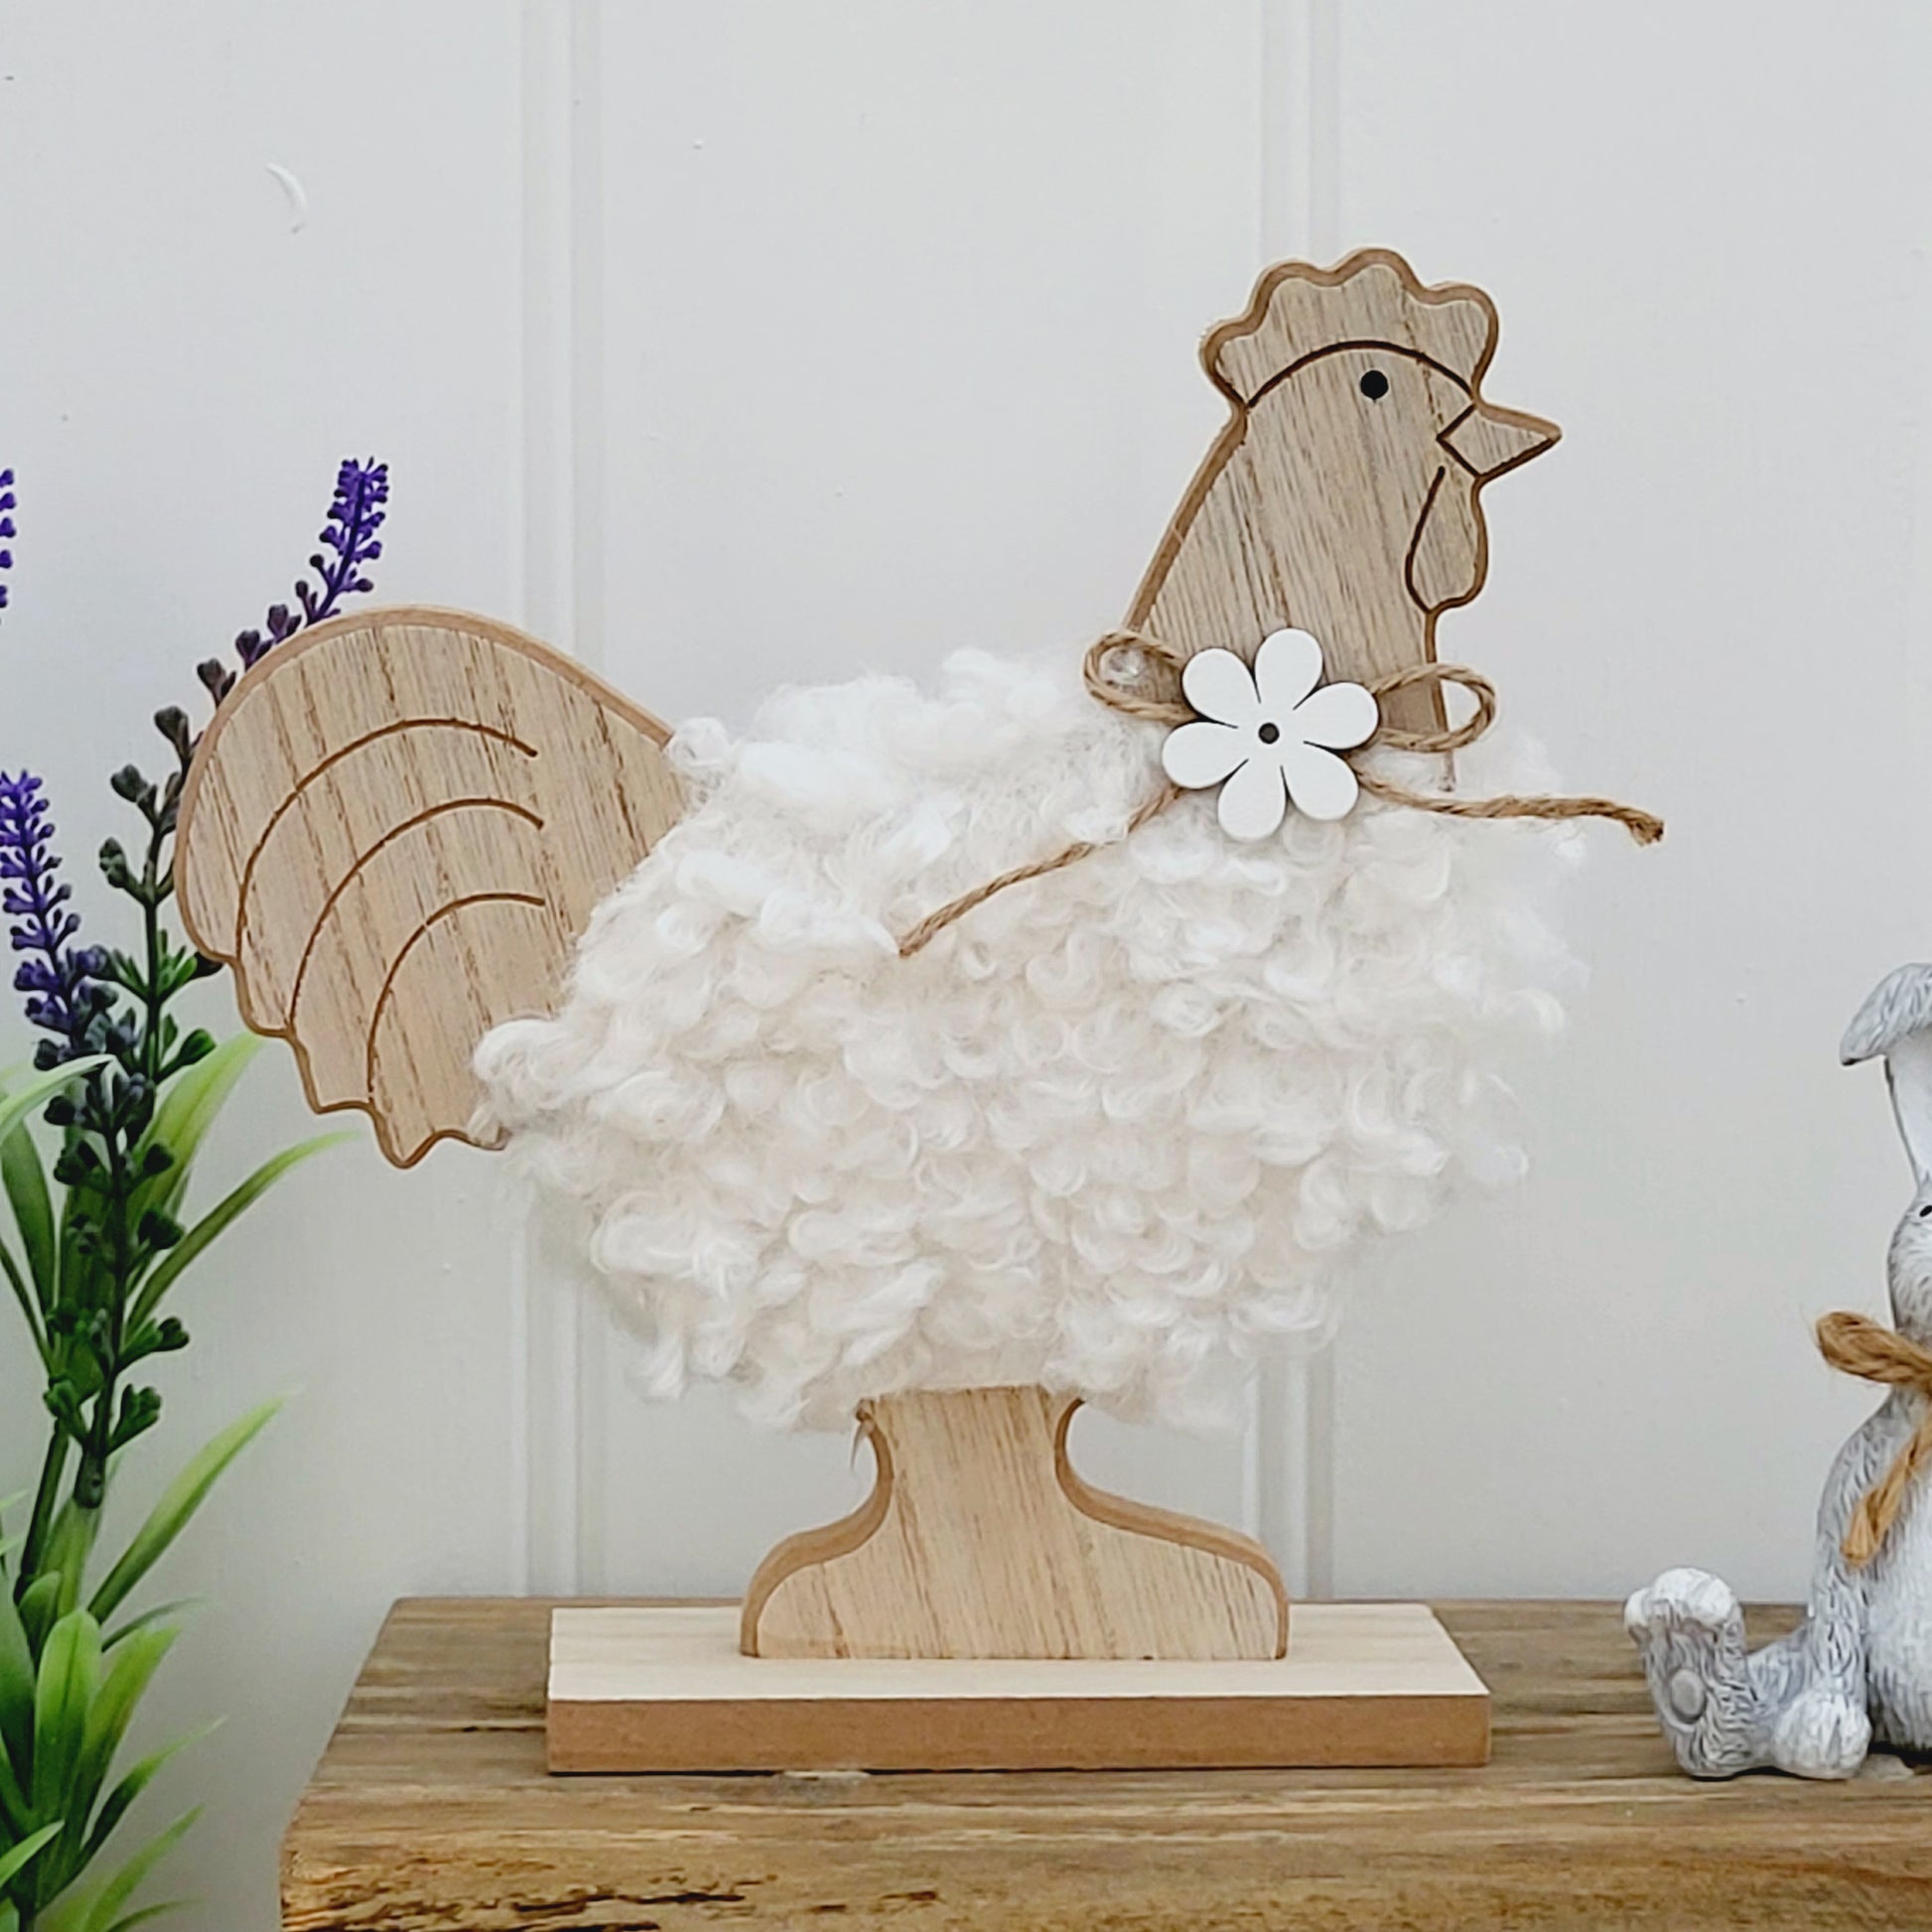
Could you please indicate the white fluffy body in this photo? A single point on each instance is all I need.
(1104, 1132)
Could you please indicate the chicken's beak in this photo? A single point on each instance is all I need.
(1486, 440)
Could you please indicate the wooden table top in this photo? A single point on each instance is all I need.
(432, 1810)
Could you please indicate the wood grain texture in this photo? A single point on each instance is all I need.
(666, 1688)
(979, 1539)
(1342, 495)
(432, 1809)
(394, 831)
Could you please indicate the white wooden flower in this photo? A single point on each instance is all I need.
(1269, 736)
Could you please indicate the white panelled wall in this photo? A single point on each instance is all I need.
(788, 339)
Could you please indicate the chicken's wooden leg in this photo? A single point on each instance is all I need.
(980, 1541)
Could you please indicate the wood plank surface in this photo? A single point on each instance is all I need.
(432, 1811)
(665, 1687)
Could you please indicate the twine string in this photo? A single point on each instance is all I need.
(1117, 696)
(1867, 1349)
(936, 923)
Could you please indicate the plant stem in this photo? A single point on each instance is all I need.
(153, 996)
(144, 1061)
(90, 1479)
(52, 1468)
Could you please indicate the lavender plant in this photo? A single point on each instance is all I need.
(6, 528)
(99, 1238)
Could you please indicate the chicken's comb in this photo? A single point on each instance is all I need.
(1298, 311)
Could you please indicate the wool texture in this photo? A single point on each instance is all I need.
(1106, 1133)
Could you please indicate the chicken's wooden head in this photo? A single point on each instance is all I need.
(1341, 498)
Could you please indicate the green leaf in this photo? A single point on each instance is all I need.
(18, 1813)
(183, 1498)
(107, 1906)
(161, 1611)
(16, 1106)
(146, 1913)
(16, 1682)
(107, 1719)
(122, 1685)
(28, 1302)
(216, 1221)
(38, 1606)
(131, 1787)
(16, 1860)
(70, 1676)
(17, 1103)
(25, 1181)
(189, 1109)
(69, 1544)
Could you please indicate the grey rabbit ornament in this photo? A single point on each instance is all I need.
(1859, 1669)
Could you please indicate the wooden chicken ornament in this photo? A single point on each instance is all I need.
(399, 825)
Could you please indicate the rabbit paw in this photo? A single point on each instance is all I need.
(1821, 1733)
(1690, 1633)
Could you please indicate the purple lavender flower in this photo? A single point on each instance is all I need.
(348, 541)
(6, 528)
(355, 515)
(60, 979)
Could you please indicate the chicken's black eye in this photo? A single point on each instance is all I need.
(1375, 385)
(1923, 1212)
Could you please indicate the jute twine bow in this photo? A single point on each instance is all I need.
(1867, 1348)
(1641, 826)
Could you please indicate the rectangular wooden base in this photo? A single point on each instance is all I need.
(665, 1687)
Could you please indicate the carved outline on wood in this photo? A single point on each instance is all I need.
(826, 1544)
(1416, 710)
(208, 878)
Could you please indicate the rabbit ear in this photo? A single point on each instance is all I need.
(1909, 1072)
(1896, 1020)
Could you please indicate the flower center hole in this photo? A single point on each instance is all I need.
(1268, 732)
